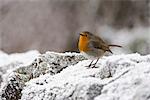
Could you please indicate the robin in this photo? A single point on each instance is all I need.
(93, 46)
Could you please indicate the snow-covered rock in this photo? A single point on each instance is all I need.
(50, 62)
(9, 62)
(66, 76)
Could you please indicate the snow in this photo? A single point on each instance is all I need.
(9, 62)
(79, 76)
(66, 76)
(25, 58)
(127, 88)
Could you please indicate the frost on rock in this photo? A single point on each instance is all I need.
(49, 62)
(10, 82)
(65, 76)
(119, 77)
(12, 61)
(134, 85)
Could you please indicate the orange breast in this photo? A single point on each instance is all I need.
(83, 44)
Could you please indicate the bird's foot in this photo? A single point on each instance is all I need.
(92, 66)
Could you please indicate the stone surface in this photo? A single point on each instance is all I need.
(50, 62)
(66, 76)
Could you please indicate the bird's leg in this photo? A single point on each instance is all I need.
(90, 63)
(95, 63)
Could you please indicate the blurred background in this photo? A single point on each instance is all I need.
(55, 24)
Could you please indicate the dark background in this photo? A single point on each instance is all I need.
(55, 24)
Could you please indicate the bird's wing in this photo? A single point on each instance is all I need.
(98, 45)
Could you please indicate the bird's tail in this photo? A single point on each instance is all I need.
(113, 45)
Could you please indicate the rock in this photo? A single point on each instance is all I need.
(12, 89)
(50, 63)
(107, 81)
(11, 61)
(65, 76)
(10, 83)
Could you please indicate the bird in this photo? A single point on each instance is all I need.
(93, 46)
